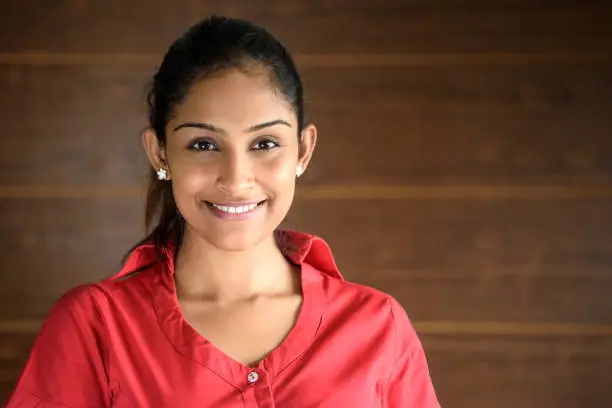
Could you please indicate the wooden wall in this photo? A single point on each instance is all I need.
(464, 166)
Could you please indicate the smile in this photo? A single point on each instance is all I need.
(237, 208)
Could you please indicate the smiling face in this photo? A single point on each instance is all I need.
(232, 152)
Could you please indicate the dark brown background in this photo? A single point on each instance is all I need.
(464, 166)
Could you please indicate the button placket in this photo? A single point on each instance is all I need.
(262, 389)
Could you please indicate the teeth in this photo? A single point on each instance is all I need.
(235, 209)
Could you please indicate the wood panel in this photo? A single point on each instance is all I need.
(72, 126)
(475, 260)
(470, 371)
(334, 27)
(58, 244)
(407, 125)
(444, 260)
(401, 148)
(14, 351)
(521, 371)
(464, 105)
(439, 124)
(493, 90)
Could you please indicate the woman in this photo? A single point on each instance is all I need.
(217, 307)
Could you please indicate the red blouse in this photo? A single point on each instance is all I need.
(124, 343)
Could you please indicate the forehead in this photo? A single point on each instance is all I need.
(233, 99)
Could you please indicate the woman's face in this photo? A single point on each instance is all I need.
(232, 153)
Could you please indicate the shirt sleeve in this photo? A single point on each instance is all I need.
(66, 366)
(409, 384)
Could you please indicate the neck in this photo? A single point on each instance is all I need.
(206, 272)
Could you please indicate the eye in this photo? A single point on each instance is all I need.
(202, 145)
(265, 144)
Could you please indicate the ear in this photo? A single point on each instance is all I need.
(307, 146)
(155, 151)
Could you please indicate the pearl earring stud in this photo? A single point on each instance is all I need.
(162, 174)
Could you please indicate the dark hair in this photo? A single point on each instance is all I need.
(209, 47)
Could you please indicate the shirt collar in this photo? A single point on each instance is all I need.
(299, 247)
(316, 261)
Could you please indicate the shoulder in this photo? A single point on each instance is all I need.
(379, 314)
(77, 310)
(340, 290)
(73, 327)
(70, 356)
(376, 318)
(366, 301)
(87, 304)
(79, 302)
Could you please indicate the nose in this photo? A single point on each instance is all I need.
(235, 177)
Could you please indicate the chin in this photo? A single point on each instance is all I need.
(237, 242)
(238, 239)
(234, 236)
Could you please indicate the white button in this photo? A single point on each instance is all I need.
(253, 377)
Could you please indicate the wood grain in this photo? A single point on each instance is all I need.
(333, 27)
(14, 351)
(474, 260)
(407, 126)
(49, 246)
(463, 166)
(330, 60)
(67, 124)
(505, 90)
(414, 192)
(31, 326)
(530, 371)
(517, 261)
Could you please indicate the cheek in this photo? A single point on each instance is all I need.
(279, 180)
(280, 168)
(190, 177)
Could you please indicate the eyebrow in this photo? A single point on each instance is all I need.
(208, 126)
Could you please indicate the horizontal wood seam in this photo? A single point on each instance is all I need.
(39, 58)
(31, 326)
(341, 192)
